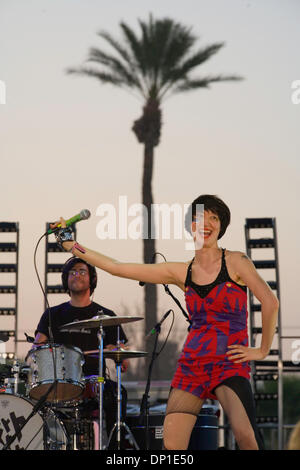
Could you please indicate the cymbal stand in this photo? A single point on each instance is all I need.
(76, 435)
(119, 423)
(100, 336)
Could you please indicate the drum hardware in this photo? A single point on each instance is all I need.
(99, 321)
(16, 372)
(14, 379)
(55, 435)
(11, 386)
(76, 429)
(37, 407)
(100, 336)
(119, 355)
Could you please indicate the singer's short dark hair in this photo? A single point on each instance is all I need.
(211, 203)
(69, 264)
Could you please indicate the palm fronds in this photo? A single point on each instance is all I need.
(160, 60)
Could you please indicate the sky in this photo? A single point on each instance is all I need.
(66, 142)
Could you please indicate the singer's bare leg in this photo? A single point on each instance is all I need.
(238, 418)
(181, 414)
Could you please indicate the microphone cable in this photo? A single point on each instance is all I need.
(167, 337)
(167, 290)
(51, 339)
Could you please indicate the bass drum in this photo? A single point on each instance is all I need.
(44, 431)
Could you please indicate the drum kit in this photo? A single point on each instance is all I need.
(55, 384)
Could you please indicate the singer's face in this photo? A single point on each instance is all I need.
(206, 228)
(79, 278)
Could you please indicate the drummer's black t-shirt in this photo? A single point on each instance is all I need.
(66, 313)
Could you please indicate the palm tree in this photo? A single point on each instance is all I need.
(154, 66)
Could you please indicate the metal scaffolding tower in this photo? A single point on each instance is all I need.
(8, 266)
(273, 367)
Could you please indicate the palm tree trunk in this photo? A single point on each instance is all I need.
(150, 295)
(147, 130)
(148, 239)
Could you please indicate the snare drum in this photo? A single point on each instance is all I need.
(61, 362)
(91, 389)
(44, 431)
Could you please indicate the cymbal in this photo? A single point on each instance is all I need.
(117, 355)
(95, 322)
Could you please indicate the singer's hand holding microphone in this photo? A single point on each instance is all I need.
(63, 232)
(83, 215)
(63, 235)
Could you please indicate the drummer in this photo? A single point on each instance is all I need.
(79, 280)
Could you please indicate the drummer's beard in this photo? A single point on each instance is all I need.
(78, 285)
(79, 291)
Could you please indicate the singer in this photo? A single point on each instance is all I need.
(215, 359)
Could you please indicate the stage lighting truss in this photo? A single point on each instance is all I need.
(9, 257)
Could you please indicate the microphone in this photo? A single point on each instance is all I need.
(158, 324)
(83, 215)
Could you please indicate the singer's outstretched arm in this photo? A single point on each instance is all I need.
(160, 273)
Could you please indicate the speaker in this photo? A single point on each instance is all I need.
(204, 435)
(139, 430)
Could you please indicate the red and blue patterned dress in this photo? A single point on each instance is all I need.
(218, 315)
